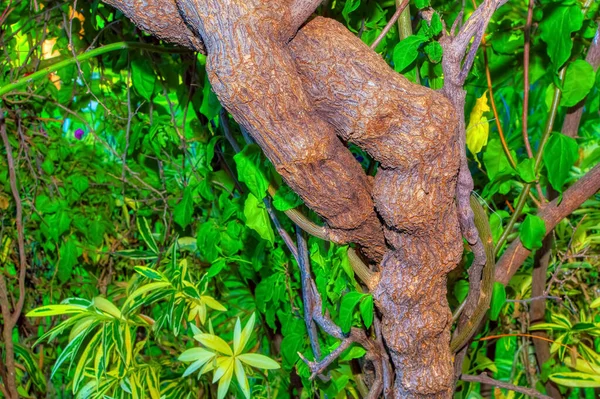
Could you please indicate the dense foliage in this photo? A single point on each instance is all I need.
(154, 267)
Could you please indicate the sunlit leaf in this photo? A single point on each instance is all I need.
(258, 361)
(214, 342)
(241, 377)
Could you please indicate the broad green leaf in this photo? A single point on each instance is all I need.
(434, 51)
(495, 160)
(68, 259)
(349, 7)
(556, 31)
(407, 51)
(214, 342)
(422, 3)
(526, 170)
(560, 154)
(210, 103)
(578, 82)
(184, 210)
(366, 310)
(286, 199)
(143, 78)
(258, 361)
(248, 163)
(498, 300)
(576, 379)
(349, 302)
(533, 231)
(258, 219)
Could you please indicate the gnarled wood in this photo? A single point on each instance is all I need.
(410, 130)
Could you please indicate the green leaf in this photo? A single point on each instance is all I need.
(436, 24)
(434, 51)
(498, 300)
(406, 52)
(257, 218)
(559, 156)
(183, 212)
(422, 3)
(495, 160)
(578, 82)
(210, 103)
(286, 199)
(366, 310)
(150, 273)
(349, 7)
(143, 78)
(533, 231)
(556, 32)
(349, 302)
(80, 183)
(146, 233)
(248, 163)
(68, 259)
(526, 170)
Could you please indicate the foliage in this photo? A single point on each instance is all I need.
(143, 228)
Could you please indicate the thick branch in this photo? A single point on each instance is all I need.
(160, 18)
(554, 212)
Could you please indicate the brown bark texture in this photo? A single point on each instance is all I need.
(295, 99)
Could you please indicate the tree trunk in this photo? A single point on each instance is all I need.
(294, 98)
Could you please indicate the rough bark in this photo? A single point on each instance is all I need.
(254, 76)
(409, 130)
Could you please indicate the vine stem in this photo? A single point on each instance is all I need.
(83, 57)
(538, 160)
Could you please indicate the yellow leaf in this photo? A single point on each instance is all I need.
(3, 202)
(214, 342)
(478, 128)
(245, 336)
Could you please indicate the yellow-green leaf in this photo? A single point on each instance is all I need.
(107, 306)
(214, 342)
(259, 361)
(53, 310)
(212, 303)
(241, 377)
(576, 379)
(225, 381)
(245, 336)
(194, 354)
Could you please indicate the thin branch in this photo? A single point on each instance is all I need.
(390, 23)
(11, 318)
(484, 379)
(554, 212)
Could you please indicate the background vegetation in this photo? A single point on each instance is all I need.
(141, 228)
